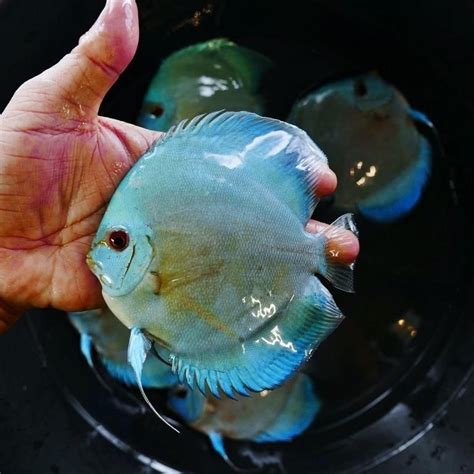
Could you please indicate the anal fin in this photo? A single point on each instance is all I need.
(299, 411)
(267, 358)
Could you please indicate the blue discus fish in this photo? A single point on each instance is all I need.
(102, 331)
(204, 77)
(368, 130)
(265, 417)
(203, 251)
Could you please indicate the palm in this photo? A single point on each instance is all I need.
(60, 165)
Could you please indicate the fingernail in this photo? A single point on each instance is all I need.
(98, 23)
(311, 227)
(127, 6)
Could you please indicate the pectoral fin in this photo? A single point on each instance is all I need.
(138, 348)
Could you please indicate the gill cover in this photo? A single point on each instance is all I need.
(120, 271)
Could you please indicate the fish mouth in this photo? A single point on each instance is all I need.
(98, 270)
(94, 267)
(91, 263)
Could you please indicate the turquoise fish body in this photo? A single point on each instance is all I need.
(270, 416)
(203, 251)
(369, 132)
(101, 331)
(201, 78)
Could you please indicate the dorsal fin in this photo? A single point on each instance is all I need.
(276, 153)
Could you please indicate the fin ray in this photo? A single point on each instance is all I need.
(296, 161)
(275, 352)
(341, 275)
(138, 348)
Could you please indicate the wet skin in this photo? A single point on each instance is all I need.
(60, 163)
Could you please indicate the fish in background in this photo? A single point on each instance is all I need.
(203, 254)
(201, 78)
(101, 331)
(369, 132)
(269, 416)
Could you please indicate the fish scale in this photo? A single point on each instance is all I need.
(225, 196)
(371, 135)
(202, 78)
(278, 415)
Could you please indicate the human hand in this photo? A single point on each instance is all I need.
(60, 163)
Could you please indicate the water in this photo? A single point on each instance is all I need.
(411, 276)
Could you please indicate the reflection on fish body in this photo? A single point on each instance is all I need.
(269, 416)
(369, 133)
(219, 271)
(102, 331)
(202, 78)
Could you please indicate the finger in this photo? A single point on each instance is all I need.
(326, 182)
(83, 77)
(136, 139)
(343, 245)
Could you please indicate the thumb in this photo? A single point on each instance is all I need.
(79, 82)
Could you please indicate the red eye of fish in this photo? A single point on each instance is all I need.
(118, 240)
(156, 110)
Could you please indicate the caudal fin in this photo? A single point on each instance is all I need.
(337, 235)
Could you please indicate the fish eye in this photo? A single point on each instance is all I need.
(180, 392)
(156, 110)
(118, 240)
(360, 88)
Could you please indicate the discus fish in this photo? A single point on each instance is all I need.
(203, 252)
(369, 132)
(268, 416)
(204, 77)
(102, 331)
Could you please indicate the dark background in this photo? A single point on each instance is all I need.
(39, 431)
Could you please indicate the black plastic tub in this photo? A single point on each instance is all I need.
(383, 388)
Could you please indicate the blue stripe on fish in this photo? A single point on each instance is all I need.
(401, 195)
